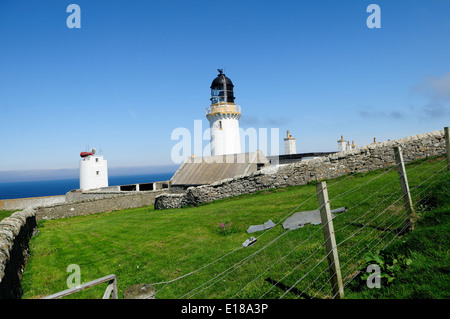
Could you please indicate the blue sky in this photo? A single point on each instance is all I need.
(137, 70)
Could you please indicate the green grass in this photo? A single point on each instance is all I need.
(147, 246)
(6, 213)
(427, 248)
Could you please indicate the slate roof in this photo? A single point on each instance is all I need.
(210, 169)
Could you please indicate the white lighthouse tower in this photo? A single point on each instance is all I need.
(93, 171)
(223, 115)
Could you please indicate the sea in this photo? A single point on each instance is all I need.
(40, 188)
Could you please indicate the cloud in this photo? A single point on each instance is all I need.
(132, 113)
(382, 114)
(277, 121)
(431, 110)
(435, 89)
(249, 120)
(255, 121)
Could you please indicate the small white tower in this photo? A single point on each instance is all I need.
(342, 144)
(289, 145)
(93, 171)
(223, 116)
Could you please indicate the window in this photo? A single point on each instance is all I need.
(96, 160)
(220, 125)
(97, 172)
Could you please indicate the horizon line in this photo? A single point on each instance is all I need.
(30, 175)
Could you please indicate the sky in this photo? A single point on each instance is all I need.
(137, 70)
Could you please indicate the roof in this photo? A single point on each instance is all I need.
(293, 158)
(220, 80)
(210, 169)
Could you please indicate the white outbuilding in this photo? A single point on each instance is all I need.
(93, 171)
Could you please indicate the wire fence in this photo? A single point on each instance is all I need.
(294, 263)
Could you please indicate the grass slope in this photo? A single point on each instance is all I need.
(6, 213)
(147, 246)
(427, 248)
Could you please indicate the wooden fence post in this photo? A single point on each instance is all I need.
(330, 240)
(447, 146)
(412, 217)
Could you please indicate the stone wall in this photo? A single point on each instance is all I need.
(22, 203)
(15, 234)
(366, 158)
(78, 195)
(17, 230)
(96, 205)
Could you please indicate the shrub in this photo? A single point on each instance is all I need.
(390, 266)
(225, 228)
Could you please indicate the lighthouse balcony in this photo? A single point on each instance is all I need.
(223, 108)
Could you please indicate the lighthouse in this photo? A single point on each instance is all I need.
(223, 116)
(93, 171)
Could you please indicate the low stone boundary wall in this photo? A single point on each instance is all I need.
(366, 158)
(15, 234)
(98, 205)
(167, 201)
(73, 196)
(22, 203)
(17, 230)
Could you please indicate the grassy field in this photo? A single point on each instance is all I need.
(5, 213)
(427, 274)
(185, 253)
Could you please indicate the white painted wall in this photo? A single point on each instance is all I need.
(93, 172)
(225, 135)
(342, 146)
(290, 146)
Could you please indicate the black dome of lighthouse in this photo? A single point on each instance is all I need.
(222, 89)
(220, 79)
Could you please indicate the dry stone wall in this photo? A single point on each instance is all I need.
(366, 158)
(17, 230)
(98, 205)
(15, 234)
(22, 203)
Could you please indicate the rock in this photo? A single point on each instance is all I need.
(249, 242)
(267, 225)
(139, 291)
(300, 219)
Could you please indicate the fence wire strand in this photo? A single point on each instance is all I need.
(245, 283)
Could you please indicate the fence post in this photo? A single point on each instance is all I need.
(330, 240)
(447, 146)
(412, 217)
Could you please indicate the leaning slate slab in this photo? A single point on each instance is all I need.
(267, 225)
(249, 242)
(312, 217)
